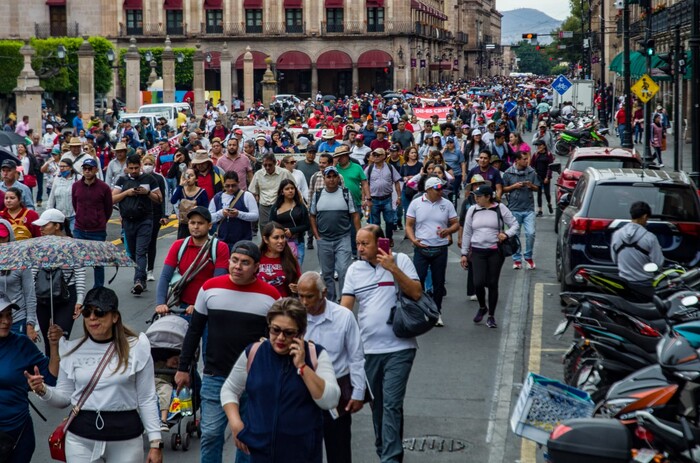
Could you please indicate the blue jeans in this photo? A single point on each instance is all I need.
(213, 422)
(301, 250)
(387, 375)
(383, 206)
(621, 132)
(334, 255)
(93, 236)
(526, 220)
(138, 237)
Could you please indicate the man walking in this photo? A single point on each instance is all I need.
(235, 210)
(520, 182)
(234, 161)
(92, 203)
(332, 216)
(135, 191)
(233, 308)
(383, 178)
(9, 180)
(265, 184)
(335, 328)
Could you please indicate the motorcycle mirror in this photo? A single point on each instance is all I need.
(690, 301)
(650, 267)
(555, 167)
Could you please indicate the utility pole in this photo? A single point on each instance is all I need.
(695, 90)
(603, 113)
(648, 52)
(589, 75)
(627, 133)
(677, 89)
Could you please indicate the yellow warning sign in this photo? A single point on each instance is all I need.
(645, 88)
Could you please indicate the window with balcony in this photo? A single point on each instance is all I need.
(334, 20)
(134, 22)
(58, 25)
(215, 21)
(253, 21)
(375, 19)
(294, 20)
(173, 22)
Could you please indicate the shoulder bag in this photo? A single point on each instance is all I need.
(57, 440)
(510, 245)
(411, 318)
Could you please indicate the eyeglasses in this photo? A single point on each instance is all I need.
(227, 186)
(87, 312)
(276, 331)
(291, 162)
(87, 167)
(63, 167)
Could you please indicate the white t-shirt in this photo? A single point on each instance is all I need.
(375, 292)
(429, 217)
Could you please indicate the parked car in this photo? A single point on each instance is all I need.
(583, 158)
(167, 110)
(135, 119)
(600, 204)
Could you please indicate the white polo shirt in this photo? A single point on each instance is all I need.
(429, 216)
(375, 292)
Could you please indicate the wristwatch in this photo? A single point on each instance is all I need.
(157, 444)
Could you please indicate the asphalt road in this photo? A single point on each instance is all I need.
(466, 378)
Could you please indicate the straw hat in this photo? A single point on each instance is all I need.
(75, 141)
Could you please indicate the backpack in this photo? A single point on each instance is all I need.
(186, 205)
(51, 284)
(20, 228)
(256, 345)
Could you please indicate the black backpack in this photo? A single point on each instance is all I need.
(52, 283)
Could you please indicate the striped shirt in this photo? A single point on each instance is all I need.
(235, 316)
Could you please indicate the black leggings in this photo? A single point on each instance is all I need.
(486, 264)
(62, 314)
(544, 188)
(152, 245)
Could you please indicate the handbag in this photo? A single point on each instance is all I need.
(57, 439)
(411, 318)
(510, 245)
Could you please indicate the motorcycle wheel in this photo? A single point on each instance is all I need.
(573, 362)
(603, 142)
(562, 148)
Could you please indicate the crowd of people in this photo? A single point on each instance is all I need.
(250, 196)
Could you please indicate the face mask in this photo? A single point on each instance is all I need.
(147, 169)
(65, 173)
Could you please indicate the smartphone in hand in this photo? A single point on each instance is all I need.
(384, 245)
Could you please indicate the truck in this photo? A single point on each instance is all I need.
(581, 94)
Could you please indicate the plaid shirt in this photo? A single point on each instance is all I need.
(317, 183)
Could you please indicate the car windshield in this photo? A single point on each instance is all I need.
(155, 110)
(668, 202)
(581, 164)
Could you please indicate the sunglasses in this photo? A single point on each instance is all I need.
(88, 167)
(230, 186)
(276, 331)
(99, 313)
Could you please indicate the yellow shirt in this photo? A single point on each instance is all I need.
(181, 119)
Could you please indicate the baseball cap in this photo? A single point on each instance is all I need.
(483, 190)
(538, 142)
(304, 126)
(394, 147)
(499, 134)
(90, 163)
(434, 182)
(330, 170)
(49, 126)
(436, 135)
(495, 158)
(449, 140)
(50, 215)
(6, 303)
(8, 163)
(200, 210)
(102, 298)
(247, 248)
(359, 137)
(476, 132)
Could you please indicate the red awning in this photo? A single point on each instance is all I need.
(334, 3)
(213, 5)
(215, 60)
(133, 4)
(252, 4)
(56, 2)
(258, 60)
(172, 5)
(374, 59)
(376, 3)
(334, 60)
(293, 60)
(293, 3)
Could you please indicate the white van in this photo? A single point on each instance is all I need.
(167, 110)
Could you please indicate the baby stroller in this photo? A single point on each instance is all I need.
(166, 335)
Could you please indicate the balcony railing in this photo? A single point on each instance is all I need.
(252, 29)
(375, 27)
(213, 28)
(173, 29)
(666, 19)
(332, 28)
(153, 29)
(295, 28)
(134, 30)
(46, 30)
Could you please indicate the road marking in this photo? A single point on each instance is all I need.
(499, 417)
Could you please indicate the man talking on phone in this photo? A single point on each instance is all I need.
(135, 191)
(520, 182)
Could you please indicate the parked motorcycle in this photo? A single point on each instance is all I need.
(587, 136)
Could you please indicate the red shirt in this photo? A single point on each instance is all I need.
(207, 182)
(271, 272)
(189, 294)
(25, 219)
(380, 144)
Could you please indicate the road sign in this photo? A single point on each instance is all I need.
(490, 46)
(561, 84)
(645, 88)
(566, 35)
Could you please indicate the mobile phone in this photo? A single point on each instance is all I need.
(383, 244)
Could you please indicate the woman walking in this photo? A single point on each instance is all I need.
(541, 161)
(658, 139)
(278, 266)
(483, 232)
(187, 196)
(61, 196)
(291, 213)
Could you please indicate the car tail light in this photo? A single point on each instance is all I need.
(559, 431)
(689, 228)
(646, 330)
(583, 225)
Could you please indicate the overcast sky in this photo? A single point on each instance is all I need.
(558, 9)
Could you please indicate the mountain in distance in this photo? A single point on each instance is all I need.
(521, 21)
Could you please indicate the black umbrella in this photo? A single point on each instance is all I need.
(329, 97)
(390, 96)
(11, 138)
(5, 153)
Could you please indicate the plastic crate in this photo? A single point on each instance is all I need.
(544, 403)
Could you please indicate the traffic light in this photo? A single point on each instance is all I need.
(529, 36)
(666, 65)
(649, 47)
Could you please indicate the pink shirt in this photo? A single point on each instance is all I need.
(240, 165)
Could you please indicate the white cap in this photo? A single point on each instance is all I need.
(476, 132)
(434, 182)
(49, 126)
(304, 126)
(436, 135)
(49, 215)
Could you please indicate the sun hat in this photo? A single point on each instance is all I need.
(200, 157)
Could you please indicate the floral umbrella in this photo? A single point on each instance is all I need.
(54, 252)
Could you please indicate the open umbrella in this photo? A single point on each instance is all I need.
(5, 153)
(11, 138)
(390, 96)
(329, 98)
(57, 252)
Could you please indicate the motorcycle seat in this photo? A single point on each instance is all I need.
(645, 311)
(576, 133)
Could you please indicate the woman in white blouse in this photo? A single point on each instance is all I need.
(109, 425)
(288, 382)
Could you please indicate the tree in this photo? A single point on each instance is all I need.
(184, 72)
(12, 63)
(532, 60)
(574, 46)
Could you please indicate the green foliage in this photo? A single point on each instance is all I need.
(55, 75)
(559, 69)
(11, 62)
(532, 60)
(574, 46)
(184, 72)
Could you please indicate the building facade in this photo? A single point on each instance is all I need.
(328, 46)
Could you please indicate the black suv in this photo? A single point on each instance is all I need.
(600, 204)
